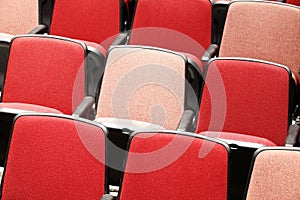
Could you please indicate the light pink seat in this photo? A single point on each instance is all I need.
(263, 30)
(275, 174)
(147, 84)
(18, 17)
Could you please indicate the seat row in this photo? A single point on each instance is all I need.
(142, 87)
(148, 88)
(65, 157)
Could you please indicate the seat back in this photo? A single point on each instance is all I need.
(47, 71)
(89, 20)
(247, 96)
(54, 157)
(18, 17)
(263, 30)
(176, 25)
(275, 174)
(177, 165)
(146, 84)
(294, 2)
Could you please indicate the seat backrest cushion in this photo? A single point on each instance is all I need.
(45, 71)
(247, 97)
(294, 2)
(191, 18)
(89, 20)
(54, 158)
(263, 30)
(164, 166)
(18, 17)
(275, 175)
(143, 84)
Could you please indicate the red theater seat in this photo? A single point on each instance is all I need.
(294, 2)
(183, 26)
(249, 97)
(46, 71)
(54, 157)
(172, 165)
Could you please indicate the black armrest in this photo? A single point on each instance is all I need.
(210, 52)
(293, 137)
(108, 197)
(39, 29)
(84, 108)
(121, 39)
(186, 122)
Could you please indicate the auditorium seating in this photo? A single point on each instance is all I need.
(275, 174)
(54, 157)
(173, 165)
(147, 84)
(18, 17)
(44, 74)
(249, 97)
(183, 26)
(263, 30)
(45, 71)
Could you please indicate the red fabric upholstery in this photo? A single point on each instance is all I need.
(54, 158)
(29, 107)
(89, 20)
(189, 175)
(45, 71)
(256, 100)
(184, 25)
(238, 137)
(294, 2)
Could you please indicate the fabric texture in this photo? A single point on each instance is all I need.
(263, 30)
(238, 137)
(54, 158)
(29, 107)
(18, 17)
(189, 176)
(183, 26)
(143, 84)
(276, 175)
(247, 97)
(90, 20)
(45, 71)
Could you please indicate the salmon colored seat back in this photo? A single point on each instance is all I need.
(143, 84)
(18, 17)
(263, 30)
(275, 174)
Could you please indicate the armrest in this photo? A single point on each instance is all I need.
(39, 29)
(84, 108)
(186, 121)
(121, 39)
(210, 52)
(108, 197)
(293, 137)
